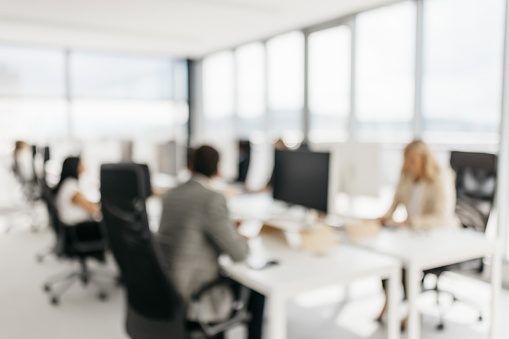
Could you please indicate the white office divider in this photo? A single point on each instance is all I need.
(354, 169)
(260, 165)
(145, 152)
(98, 152)
(502, 200)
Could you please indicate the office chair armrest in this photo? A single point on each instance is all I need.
(219, 281)
(239, 307)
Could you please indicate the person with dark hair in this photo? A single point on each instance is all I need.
(73, 207)
(195, 230)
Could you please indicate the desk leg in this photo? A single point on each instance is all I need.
(277, 317)
(393, 331)
(496, 282)
(413, 287)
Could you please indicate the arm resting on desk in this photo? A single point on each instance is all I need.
(220, 229)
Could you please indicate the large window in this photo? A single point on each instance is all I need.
(32, 94)
(329, 83)
(120, 77)
(385, 69)
(111, 96)
(218, 95)
(462, 71)
(31, 72)
(122, 119)
(34, 120)
(127, 97)
(285, 63)
(250, 81)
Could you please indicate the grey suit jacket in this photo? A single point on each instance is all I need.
(195, 229)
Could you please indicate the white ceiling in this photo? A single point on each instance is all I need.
(181, 28)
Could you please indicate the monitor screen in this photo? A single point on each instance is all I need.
(302, 178)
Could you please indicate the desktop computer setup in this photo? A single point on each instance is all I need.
(302, 178)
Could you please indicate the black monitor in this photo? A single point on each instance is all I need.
(302, 177)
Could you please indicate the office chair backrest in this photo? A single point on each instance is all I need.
(149, 291)
(146, 180)
(476, 175)
(49, 200)
(46, 154)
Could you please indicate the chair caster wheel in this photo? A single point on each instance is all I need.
(102, 296)
(440, 327)
(47, 288)
(54, 301)
(480, 318)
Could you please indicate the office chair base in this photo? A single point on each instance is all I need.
(66, 280)
(39, 257)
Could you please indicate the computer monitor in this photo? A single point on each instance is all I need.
(302, 178)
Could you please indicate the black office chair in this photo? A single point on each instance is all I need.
(154, 309)
(244, 160)
(31, 193)
(476, 175)
(70, 245)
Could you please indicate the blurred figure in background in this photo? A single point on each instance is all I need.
(279, 145)
(73, 208)
(428, 193)
(425, 189)
(23, 162)
(244, 160)
(195, 229)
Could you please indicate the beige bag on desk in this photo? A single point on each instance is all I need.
(363, 229)
(318, 239)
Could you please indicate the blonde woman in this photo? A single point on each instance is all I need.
(427, 192)
(425, 189)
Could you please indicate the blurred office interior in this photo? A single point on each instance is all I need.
(143, 81)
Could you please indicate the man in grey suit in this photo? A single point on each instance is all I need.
(195, 229)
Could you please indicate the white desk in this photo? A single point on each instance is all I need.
(421, 251)
(300, 271)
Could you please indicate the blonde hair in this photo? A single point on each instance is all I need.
(431, 166)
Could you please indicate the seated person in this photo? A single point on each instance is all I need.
(426, 190)
(195, 229)
(73, 208)
(23, 162)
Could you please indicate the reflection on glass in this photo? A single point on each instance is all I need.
(250, 61)
(218, 94)
(95, 75)
(462, 75)
(329, 83)
(31, 72)
(285, 66)
(385, 71)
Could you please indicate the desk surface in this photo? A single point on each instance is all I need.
(299, 271)
(429, 248)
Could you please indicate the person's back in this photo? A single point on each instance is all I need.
(195, 229)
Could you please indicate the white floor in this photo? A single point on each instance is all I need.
(25, 311)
